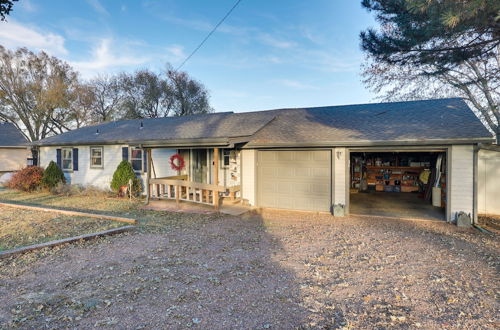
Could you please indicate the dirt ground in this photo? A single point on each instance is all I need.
(276, 270)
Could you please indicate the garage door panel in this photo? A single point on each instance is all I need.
(299, 180)
(320, 173)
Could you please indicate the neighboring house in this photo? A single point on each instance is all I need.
(14, 148)
(301, 159)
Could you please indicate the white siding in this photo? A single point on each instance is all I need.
(13, 159)
(87, 176)
(488, 182)
(339, 176)
(461, 164)
(161, 163)
(230, 175)
(248, 175)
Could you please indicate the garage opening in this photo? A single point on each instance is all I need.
(398, 184)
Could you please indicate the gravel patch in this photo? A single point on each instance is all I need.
(275, 270)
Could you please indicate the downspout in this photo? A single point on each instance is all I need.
(475, 188)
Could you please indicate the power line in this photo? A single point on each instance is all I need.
(208, 35)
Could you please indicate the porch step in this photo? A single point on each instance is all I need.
(228, 201)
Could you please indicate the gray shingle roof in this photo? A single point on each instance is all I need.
(441, 119)
(418, 121)
(10, 136)
(210, 126)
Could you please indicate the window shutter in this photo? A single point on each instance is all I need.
(59, 158)
(75, 159)
(125, 153)
(145, 160)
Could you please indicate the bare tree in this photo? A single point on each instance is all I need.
(35, 91)
(108, 98)
(81, 107)
(190, 96)
(147, 95)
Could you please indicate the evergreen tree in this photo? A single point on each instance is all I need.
(52, 175)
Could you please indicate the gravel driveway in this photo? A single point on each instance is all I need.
(278, 270)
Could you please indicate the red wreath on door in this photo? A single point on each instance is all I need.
(177, 162)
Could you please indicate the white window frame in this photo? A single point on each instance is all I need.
(225, 154)
(66, 158)
(141, 159)
(91, 157)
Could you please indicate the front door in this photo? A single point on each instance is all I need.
(200, 165)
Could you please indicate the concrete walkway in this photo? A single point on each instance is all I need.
(404, 205)
(187, 207)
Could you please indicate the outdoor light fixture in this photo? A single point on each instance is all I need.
(339, 153)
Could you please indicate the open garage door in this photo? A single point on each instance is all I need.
(296, 180)
(399, 184)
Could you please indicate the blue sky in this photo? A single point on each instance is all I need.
(267, 54)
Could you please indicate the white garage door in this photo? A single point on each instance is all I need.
(296, 180)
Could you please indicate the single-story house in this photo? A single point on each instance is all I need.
(312, 159)
(14, 148)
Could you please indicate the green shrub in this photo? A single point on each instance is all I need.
(27, 179)
(52, 176)
(124, 172)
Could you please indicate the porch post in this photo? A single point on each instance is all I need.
(216, 177)
(148, 176)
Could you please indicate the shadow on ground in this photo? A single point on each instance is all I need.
(273, 270)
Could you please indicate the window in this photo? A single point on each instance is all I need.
(67, 159)
(226, 154)
(136, 158)
(96, 155)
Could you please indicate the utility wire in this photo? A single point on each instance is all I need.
(208, 35)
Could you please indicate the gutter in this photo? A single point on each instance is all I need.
(367, 143)
(146, 143)
(475, 174)
(27, 146)
(490, 147)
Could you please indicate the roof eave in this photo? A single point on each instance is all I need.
(144, 143)
(367, 143)
(26, 146)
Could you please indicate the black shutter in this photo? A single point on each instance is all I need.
(145, 159)
(59, 158)
(125, 153)
(75, 159)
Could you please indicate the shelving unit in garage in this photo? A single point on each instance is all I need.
(393, 178)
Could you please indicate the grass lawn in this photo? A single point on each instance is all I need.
(25, 227)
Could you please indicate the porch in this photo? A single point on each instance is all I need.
(199, 181)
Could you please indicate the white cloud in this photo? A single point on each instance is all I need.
(28, 6)
(14, 35)
(98, 7)
(295, 84)
(275, 42)
(106, 56)
(177, 52)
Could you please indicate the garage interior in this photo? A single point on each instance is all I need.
(398, 184)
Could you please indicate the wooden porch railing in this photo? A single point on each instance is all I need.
(178, 189)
